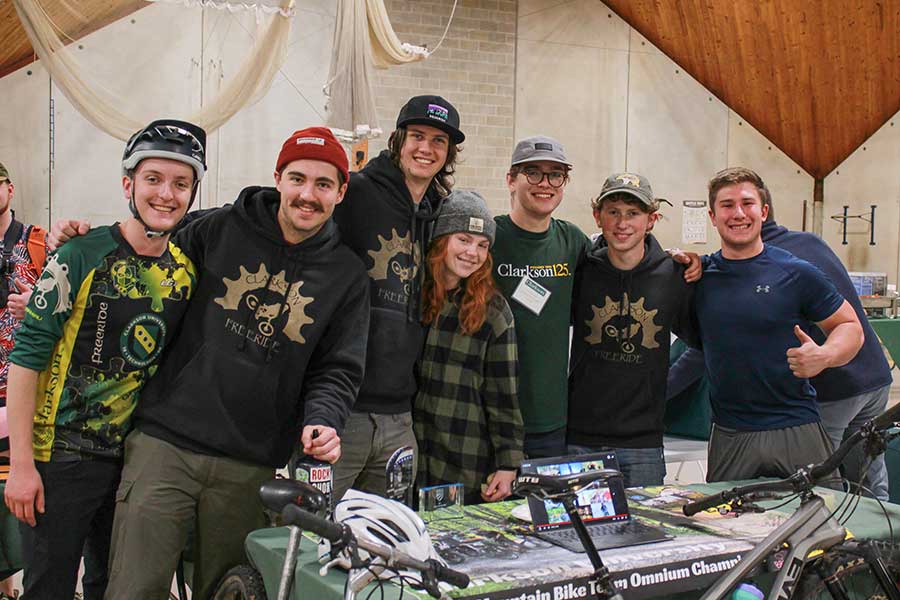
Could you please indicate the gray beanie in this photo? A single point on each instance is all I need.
(465, 210)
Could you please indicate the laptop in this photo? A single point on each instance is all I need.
(603, 507)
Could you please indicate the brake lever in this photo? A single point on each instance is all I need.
(739, 507)
(430, 585)
(323, 570)
(358, 579)
(876, 444)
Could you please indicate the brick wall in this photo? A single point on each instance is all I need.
(474, 69)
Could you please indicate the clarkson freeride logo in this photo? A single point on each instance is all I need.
(55, 277)
(386, 258)
(143, 339)
(247, 287)
(642, 322)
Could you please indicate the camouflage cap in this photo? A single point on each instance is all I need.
(4, 174)
(632, 184)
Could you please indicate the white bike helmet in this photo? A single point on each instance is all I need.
(386, 522)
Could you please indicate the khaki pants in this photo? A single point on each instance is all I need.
(164, 490)
(367, 444)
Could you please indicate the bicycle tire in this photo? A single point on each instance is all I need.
(851, 570)
(242, 582)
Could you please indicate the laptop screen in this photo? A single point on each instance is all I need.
(598, 502)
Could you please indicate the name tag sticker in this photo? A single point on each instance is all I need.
(532, 295)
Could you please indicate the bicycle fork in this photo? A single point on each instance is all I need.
(811, 527)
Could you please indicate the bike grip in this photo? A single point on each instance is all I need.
(692, 508)
(445, 573)
(888, 418)
(294, 515)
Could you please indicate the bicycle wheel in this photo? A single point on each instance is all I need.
(241, 583)
(849, 570)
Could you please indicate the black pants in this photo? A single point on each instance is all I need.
(79, 501)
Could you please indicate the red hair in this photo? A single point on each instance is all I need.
(477, 289)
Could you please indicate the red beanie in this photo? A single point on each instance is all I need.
(315, 143)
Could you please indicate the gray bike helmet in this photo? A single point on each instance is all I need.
(170, 139)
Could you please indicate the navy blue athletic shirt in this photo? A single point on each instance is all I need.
(869, 370)
(747, 310)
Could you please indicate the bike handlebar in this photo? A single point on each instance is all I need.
(339, 533)
(887, 419)
(692, 508)
(803, 479)
(444, 573)
(550, 486)
(331, 531)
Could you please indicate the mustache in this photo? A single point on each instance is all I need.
(306, 204)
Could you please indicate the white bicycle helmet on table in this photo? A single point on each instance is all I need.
(387, 522)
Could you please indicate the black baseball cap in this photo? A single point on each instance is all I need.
(433, 111)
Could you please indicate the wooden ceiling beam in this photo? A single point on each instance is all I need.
(16, 50)
(816, 77)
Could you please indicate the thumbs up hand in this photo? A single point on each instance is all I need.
(19, 295)
(809, 359)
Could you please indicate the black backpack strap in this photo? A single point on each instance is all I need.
(12, 235)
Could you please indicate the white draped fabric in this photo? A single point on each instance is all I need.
(101, 107)
(363, 38)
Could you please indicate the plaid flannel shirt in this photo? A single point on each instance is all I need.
(466, 415)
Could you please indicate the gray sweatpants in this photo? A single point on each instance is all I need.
(735, 455)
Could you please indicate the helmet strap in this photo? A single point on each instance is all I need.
(153, 233)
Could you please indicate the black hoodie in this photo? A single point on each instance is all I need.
(620, 347)
(390, 233)
(273, 339)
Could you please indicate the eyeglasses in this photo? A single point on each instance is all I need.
(554, 178)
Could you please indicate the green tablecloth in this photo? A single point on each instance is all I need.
(267, 546)
(888, 331)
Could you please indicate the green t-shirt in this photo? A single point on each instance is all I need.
(549, 258)
(95, 328)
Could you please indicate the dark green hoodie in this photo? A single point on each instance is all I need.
(620, 347)
(274, 337)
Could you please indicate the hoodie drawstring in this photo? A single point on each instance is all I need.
(290, 276)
